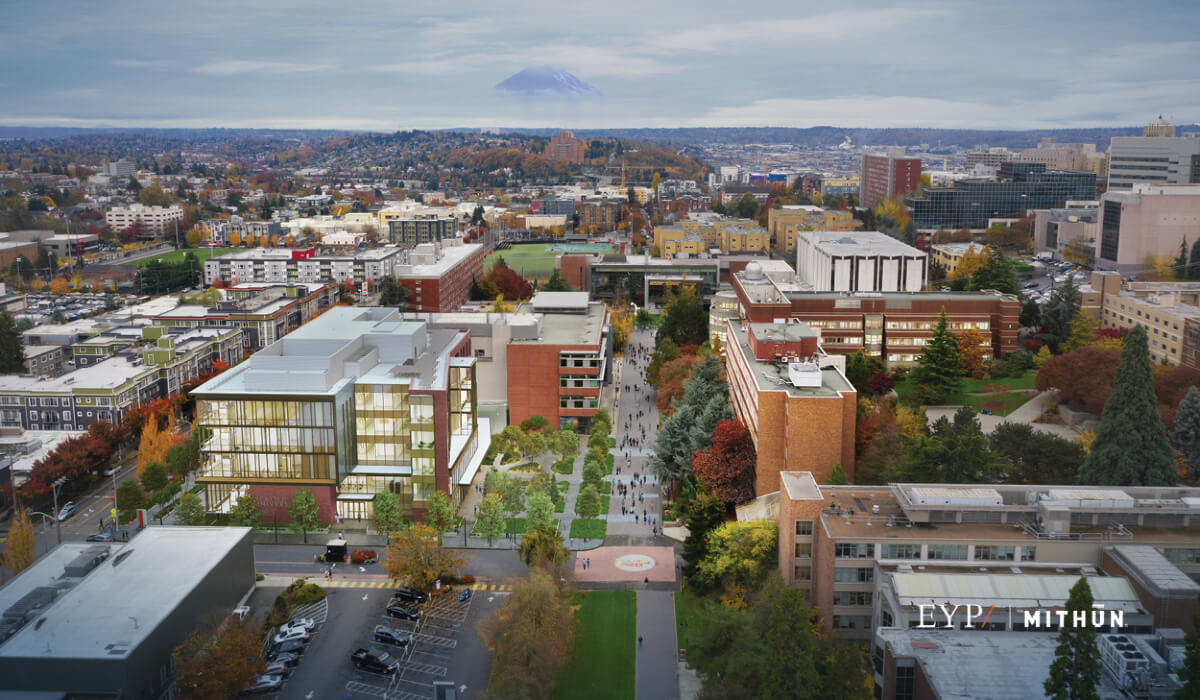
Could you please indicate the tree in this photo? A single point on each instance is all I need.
(1059, 312)
(790, 663)
(954, 452)
(189, 510)
(539, 511)
(1082, 333)
(568, 442)
(531, 634)
(938, 375)
(12, 347)
(193, 237)
(1042, 356)
(21, 550)
(245, 512)
(439, 512)
(183, 458)
(1075, 670)
(556, 283)
(1193, 268)
(1189, 673)
(740, 554)
(1034, 457)
(154, 476)
(1131, 447)
(534, 423)
(996, 273)
(1031, 314)
(837, 477)
(60, 285)
(587, 505)
(972, 346)
(130, 497)
(968, 264)
(490, 522)
(385, 511)
(154, 443)
(392, 293)
(1186, 435)
(533, 443)
(543, 546)
(1081, 376)
(219, 663)
(684, 321)
(304, 512)
(416, 557)
(727, 467)
(154, 196)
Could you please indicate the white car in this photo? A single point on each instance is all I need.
(305, 623)
(289, 634)
(112, 470)
(66, 511)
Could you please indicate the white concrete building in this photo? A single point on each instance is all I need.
(1159, 160)
(156, 222)
(859, 261)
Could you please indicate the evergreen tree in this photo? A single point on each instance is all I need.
(1059, 312)
(1083, 333)
(1190, 672)
(1193, 268)
(12, 349)
(1031, 314)
(702, 514)
(556, 283)
(837, 477)
(1131, 447)
(1075, 671)
(1180, 265)
(996, 273)
(1186, 434)
(938, 374)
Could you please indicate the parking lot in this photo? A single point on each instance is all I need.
(444, 645)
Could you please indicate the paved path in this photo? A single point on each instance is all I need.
(656, 658)
(642, 498)
(1027, 412)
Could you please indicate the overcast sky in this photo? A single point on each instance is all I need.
(405, 64)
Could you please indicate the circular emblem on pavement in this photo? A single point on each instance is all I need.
(634, 562)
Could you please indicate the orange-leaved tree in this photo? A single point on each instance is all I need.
(972, 346)
(218, 662)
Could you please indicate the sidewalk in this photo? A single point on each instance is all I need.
(1027, 412)
(657, 675)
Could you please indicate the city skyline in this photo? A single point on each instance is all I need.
(386, 68)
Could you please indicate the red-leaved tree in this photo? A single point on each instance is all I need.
(727, 467)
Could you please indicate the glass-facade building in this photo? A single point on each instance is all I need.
(356, 403)
(1018, 188)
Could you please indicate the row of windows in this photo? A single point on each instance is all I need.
(852, 622)
(577, 402)
(852, 597)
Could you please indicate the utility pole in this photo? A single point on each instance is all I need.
(57, 520)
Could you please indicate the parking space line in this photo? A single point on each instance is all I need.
(435, 640)
(427, 669)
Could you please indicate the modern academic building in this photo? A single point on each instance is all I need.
(356, 402)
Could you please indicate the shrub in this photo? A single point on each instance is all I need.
(166, 493)
(363, 556)
(259, 577)
(566, 465)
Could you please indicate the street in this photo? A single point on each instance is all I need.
(92, 513)
(491, 564)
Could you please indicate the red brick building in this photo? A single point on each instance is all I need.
(444, 284)
(567, 148)
(887, 176)
(893, 326)
(799, 409)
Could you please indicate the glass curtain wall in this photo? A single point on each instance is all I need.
(268, 440)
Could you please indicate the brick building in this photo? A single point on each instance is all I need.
(796, 403)
(567, 148)
(887, 176)
(439, 276)
(602, 214)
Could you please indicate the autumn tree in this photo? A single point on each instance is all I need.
(543, 546)
(739, 554)
(154, 443)
(968, 263)
(1083, 376)
(1131, 447)
(1082, 333)
(60, 285)
(531, 634)
(194, 237)
(218, 662)
(727, 468)
(21, 549)
(972, 346)
(416, 557)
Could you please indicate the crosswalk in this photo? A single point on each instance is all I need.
(362, 583)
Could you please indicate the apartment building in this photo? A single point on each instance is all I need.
(440, 275)
(1019, 187)
(1146, 222)
(720, 236)
(887, 175)
(264, 312)
(794, 400)
(602, 215)
(893, 326)
(410, 231)
(565, 147)
(858, 551)
(161, 364)
(220, 230)
(44, 360)
(151, 222)
(949, 255)
(357, 402)
(784, 223)
(859, 261)
(281, 266)
(559, 358)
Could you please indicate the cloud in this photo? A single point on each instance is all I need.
(236, 67)
(79, 93)
(139, 63)
(587, 61)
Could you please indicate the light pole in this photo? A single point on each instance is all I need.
(57, 520)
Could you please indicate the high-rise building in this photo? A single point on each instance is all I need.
(888, 175)
(1018, 188)
(1158, 157)
(410, 231)
(859, 261)
(120, 168)
(356, 402)
(566, 147)
(1146, 223)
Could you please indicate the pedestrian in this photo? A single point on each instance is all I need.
(639, 641)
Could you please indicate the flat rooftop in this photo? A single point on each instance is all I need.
(774, 376)
(1024, 590)
(564, 328)
(451, 257)
(123, 599)
(108, 374)
(860, 243)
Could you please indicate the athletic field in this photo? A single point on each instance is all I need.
(175, 256)
(536, 260)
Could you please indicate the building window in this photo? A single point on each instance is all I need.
(803, 573)
(852, 622)
(804, 528)
(988, 552)
(804, 550)
(904, 682)
(955, 552)
(854, 550)
(853, 575)
(861, 598)
(1028, 553)
(900, 551)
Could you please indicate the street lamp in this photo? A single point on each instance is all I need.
(57, 520)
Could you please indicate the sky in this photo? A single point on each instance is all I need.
(404, 64)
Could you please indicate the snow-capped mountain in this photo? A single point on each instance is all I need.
(547, 81)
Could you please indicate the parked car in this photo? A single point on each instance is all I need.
(390, 635)
(278, 668)
(304, 623)
(291, 646)
(409, 595)
(376, 660)
(264, 684)
(286, 635)
(66, 511)
(288, 659)
(398, 609)
(465, 595)
(102, 537)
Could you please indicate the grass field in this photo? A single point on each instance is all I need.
(590, 528)
(603, 658)
(530, 261)
(175, 256)
(974, 386)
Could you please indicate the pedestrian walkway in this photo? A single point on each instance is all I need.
(368, 581)
(1027, 413)
(657, 675)
(637, 515)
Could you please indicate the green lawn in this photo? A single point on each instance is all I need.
(612, 442)
(608, 464)
(175, 256)
(592, 529)
(530, 261)
(563, 486)
(603, 657)
(973, 386)
(689, 616)
(999, 404)
(566, 465)
(512, 526)
(526, 467)
(604, 499)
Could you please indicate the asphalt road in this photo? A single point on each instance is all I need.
(92, 513)
(298, 559)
